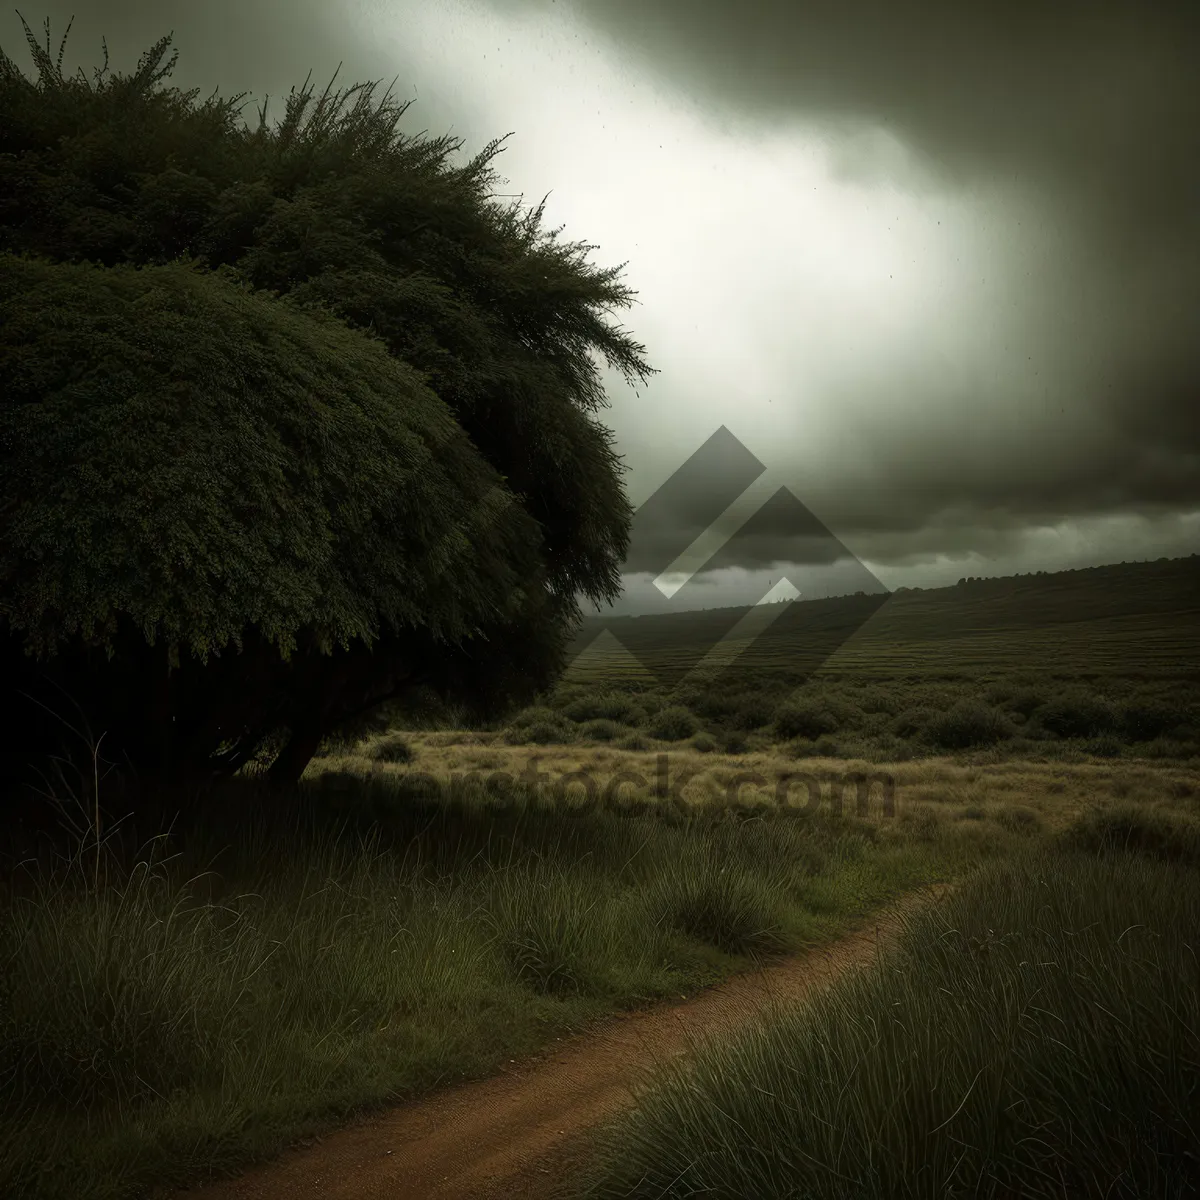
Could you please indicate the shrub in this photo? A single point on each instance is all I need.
(693, 695)
(391, 748)
(734, 742)
(968, 724)
(879, 700)
(804, 719)
(825, 746)
(892, 749)
(874, 724)
(1075, 714)
(540, 733)
(1138, 831)
(610, 706)
(913, 723)
(1024, 701)
(1169, 748)
(704, 743)
(753, 713)
(1107, 745)
(566, 694)
(603, 730)
(1144, 720)
(635, 741)
(673, 724)
(534, 715)
(713, 703)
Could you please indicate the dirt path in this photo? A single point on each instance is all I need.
(519, 1134)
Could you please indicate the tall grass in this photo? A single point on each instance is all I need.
(1036, 1035)
(279, 961)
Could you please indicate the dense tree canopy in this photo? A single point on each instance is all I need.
(292, 420)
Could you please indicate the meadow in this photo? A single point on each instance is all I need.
(1098, 662)
(192, 992)
(1035, 1035)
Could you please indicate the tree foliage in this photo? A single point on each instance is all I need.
(294, 419)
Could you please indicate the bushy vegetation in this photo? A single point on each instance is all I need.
(927, 676)
(392, 747)
(1075, 712)
(809, 720)
(314, 350)
(912, 722)
(539, 725)
(543, 732)
(610, 706)
(1144, 720)
(1136, 830)
(603, 730)
(881, 718)
(754, 712)
(1034, 1035)
(673, 724)
(968, 724)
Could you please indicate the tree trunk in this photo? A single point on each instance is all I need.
(290, 762)
(163, 716)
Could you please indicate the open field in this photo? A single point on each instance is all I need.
(294, 966)
(431, 903)
(1132, 620)
(1103, 662)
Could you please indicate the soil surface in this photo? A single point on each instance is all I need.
(524, 1132)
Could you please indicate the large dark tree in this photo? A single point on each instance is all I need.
(293, 420)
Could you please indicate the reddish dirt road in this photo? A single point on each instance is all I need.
(521, 1133)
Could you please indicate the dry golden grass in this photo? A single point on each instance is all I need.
(1057, 792)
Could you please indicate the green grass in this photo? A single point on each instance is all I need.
(1101, 662)
(1036, 1035)
(281, 962)
(1099, 619)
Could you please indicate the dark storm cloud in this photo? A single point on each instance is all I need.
(1136, 450)
(1093, 106)
(1097, 97)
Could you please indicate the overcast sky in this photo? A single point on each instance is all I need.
(935, 265)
